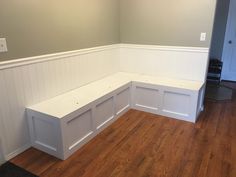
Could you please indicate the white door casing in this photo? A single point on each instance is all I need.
(229, 51)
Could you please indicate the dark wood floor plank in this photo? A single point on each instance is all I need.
(141, 144)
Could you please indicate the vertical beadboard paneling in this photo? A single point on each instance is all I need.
(24, 85)
(188, 63)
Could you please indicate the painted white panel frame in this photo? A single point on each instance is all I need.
(104, 111)
(123, 100)
(146, 97)
(172, 102)
(37, 136)
(68, 147)
(82, 126)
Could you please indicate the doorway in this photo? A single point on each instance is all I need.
(222, 52)
(223, 45)
(229, 51)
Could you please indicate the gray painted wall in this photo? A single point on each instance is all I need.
(48, 26)
(166, 22)
(41, 27)
(219, 29)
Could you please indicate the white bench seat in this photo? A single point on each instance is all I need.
(69, 102)
(61, 125)
(176, 83)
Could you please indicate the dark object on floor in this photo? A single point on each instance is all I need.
(218, 92)
(10, 170)
(214, 71)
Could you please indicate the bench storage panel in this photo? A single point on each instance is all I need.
(123, 101)
(165, 100)
(146, 97)
(104, 112)
(77, 131)
(45, 133)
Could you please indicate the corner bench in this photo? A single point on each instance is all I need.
(61, 125)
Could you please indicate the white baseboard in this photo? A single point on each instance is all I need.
(202, 108)
(17, 152)
(200, 111)
(2, 160)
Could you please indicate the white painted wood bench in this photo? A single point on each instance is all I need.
(61, 125)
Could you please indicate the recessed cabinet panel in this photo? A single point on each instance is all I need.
(104, 112)
(176, 103)
(79, 128)
(147, 99)
(122, 101)
(44, 132)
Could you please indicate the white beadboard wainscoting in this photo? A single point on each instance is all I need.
(25, 82)
(188, 63)
(28, 81)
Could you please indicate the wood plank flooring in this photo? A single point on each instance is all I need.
(145, 145)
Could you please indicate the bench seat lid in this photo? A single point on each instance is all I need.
(66, 103)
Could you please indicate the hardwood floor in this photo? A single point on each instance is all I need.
(229, 84)
(145, 145)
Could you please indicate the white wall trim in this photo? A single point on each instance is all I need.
(18, 151)
(60, 55)
(166, 48)
(54, 56)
